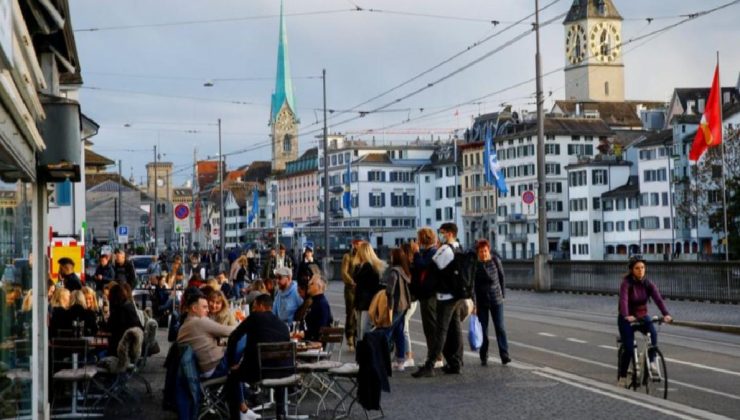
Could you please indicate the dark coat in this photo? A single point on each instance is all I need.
(374, 359)
(319, 315)
(368, 284)
(122, 317)
(78, 313)
(107, 274)
(422, 284)
(125, 273)
(72, 282)
(260, 327)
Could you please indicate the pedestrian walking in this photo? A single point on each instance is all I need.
(350, 322)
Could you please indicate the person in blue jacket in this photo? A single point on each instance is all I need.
(287, 299)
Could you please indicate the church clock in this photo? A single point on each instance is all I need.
(605, 42)
(575, 44)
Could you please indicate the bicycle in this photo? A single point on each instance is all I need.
(639, 371)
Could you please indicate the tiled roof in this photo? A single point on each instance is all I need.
(558, 126)
(599, 160)
(615, 114)
(258, 171)
(376, 158)
(91, 180)
(308, 162)
(207, 171)
(659, 138)
(94, 159)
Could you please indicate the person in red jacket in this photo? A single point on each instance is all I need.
(634, 293)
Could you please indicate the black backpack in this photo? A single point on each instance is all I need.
(462, 272)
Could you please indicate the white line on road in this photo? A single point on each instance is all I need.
(700, 366)
(575, 340)
(604, 346)
(544, 334)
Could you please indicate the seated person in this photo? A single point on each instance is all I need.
(262, 326)
(122, 316)
(319, 315)
(60, 302)
(287, 300)
(202, 334)
(302, 312)
(80, 313)
(67, 274)
(219, 309)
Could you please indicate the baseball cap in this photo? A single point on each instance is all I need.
(254, 294)
(283, 271)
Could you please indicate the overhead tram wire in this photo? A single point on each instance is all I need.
(687, 19)
(453, 73)
(448, 59)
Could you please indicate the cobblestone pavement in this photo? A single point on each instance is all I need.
(717, 313)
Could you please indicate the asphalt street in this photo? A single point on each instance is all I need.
(573, 337)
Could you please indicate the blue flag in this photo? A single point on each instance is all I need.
(347, 196)
(494, 173)
(255, 207)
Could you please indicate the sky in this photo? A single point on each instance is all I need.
(145, 65)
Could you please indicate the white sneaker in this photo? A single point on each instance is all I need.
(409, 363)
(398, 366)
(249, 415)
(438, 364)
(622, 382)
(654, 369)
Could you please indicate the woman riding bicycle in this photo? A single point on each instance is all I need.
(634, 293)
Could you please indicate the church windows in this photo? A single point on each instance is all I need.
(287, 143)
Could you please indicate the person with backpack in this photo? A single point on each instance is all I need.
(422, 284)
(489, 297)
(448, 271)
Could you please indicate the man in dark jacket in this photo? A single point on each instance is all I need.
(123, 269)
(67, 274)
(104, 273)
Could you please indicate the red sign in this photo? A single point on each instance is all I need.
(528, 197)
(182, 211)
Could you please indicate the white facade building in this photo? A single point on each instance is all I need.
(587, 181)
(620, 212)
(235, 217)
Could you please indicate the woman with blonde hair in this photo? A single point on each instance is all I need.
(91, 299)
(60, 302)
(368, 272)
(219, 310)
(80, 312)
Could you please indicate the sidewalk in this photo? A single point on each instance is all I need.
(514, 391)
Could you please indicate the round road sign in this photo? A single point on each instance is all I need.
(528, 197)
(182, 211)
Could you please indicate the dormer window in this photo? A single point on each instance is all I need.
(602, 7)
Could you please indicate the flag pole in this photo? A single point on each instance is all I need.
(724, 167)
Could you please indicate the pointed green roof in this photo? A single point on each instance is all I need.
(283, 84)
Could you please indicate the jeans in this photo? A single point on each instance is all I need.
(350, 323)
(406, 318)
(448, 335)
(233, 386)
(497, 315)
(428, 310)
(627, 334)
(396, 335)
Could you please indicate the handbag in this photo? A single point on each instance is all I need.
(475, 333)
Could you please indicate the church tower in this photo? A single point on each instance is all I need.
(283, 119)
(593, 53)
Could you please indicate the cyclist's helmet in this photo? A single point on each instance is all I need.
(636, 259)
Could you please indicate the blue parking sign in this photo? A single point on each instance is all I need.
(122, 230)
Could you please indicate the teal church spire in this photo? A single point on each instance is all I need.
(283, 84)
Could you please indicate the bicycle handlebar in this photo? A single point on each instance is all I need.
(654, 318)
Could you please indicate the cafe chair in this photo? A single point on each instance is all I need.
(69, 365)
(121, 368)
(320, 362)
(277, 370)
(150, 339)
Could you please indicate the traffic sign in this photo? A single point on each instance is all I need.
(528, 197)
(182, 211)
(122, 230)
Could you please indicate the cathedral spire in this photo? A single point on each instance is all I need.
(283, 83)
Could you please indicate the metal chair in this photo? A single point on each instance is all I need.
(277, 369)
(69, 359)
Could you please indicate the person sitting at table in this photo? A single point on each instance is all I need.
(91, 299)
(202, 334)
(123, 316)
(319, 315)
(287, 300)
(79, 312)
(59, 305)
(219, 309)
(104, 273)
(302, 311)
(261, 326)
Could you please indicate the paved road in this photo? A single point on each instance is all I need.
(571, 338)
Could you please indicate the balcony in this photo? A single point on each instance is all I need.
(516, 218)
(516, 237)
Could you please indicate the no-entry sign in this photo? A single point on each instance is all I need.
(528, 197)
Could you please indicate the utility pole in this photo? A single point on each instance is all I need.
(155, 211)
(542, 281)
(221, 233)
(192, 203)
(326, 181)
(120, 205)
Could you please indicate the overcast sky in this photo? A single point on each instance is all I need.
(143, 81)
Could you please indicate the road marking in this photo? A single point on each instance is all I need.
(544, 334)
(700, 366)
(575, 340)
(604, 346)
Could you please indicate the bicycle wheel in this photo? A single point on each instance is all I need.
(656, 383)
(631, 369)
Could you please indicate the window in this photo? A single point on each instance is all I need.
(554, 226)
(553, 187)
(438, 193)
(577, 178)
(666, 223)
(450, 191)
(597, 203)
(438, 215)
(634, 225)
(376, 176)
(608, 226)
(377, 199)
(448, 213)
(597, 226)
(654, 199)
(579, 228)
(554, 205)
(552, 149)
(287, 144)
(599, 177)
(552, 169)
(620, 204)
(664, 199)
(620, 226)
(650, 223)
(608, 204)
(580, 149)
(633, 203)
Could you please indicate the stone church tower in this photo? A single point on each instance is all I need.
(283, 119)
(593, 53)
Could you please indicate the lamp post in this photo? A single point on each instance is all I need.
(542, 282)
(221, 198)
(327, 248)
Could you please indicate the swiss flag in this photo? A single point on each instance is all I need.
(709, 133)
(197, 215)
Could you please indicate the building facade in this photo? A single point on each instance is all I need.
(298, 190)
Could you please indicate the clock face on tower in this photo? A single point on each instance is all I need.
(284, 120)
(605, 42)
(575, 44)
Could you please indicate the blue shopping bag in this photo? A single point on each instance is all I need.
(475, 333)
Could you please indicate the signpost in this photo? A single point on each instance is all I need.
(122, 234)
(288, 229)
(182, 218)
(528, 199)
